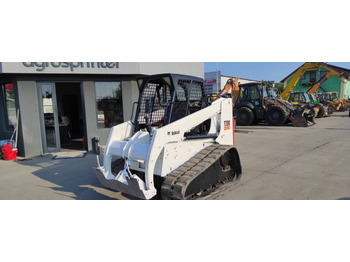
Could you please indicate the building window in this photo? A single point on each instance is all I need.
(10, 105)
(313, 76)
(109, 104)
(208, 89)
(303, 77)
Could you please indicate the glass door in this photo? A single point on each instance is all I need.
(49, 118)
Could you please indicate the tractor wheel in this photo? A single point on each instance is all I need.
(342, 108)
(322, 111)
(245, 116)
(330, 109)
(276, 115)
(313, 112)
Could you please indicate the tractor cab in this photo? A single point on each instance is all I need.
(273, 93)
(314, 98)
(332, 95)
(299, 97)
(325, 97)
(253, 93)
(250, 106)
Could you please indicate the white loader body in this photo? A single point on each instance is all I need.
(163, 150)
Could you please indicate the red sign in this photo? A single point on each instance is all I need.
(9, 86)
(210, 81)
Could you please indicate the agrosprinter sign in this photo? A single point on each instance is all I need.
(41, 66)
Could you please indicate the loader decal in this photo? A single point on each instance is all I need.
(173, 133)
(227, 125)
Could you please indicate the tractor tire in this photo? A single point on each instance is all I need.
(322, 111)
(330, 109)
(313, 112)
(244, 116)
(276, 115)
(342, 108)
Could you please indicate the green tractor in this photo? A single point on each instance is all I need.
(302, 98)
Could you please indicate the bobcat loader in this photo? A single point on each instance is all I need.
(176, 144)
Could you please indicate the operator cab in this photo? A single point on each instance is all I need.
(322, 97)
(250, 106)
(272, 93)
(333, 95)
(167, 98)
(299, 98)
(253, 92)
(312, 97)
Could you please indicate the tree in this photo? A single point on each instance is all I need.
(279, 86)
(268, 83)
(272, 84)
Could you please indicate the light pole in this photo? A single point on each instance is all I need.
(217, 77)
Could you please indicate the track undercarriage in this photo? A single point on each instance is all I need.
(208, 170)
(212, 167)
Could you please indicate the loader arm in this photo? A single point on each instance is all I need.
(322, 80)
(295, 79)
(231, 88)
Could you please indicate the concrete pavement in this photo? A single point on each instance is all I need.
(294, 163)
(44, 178)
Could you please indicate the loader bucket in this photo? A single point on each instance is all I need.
(132, 187)
(303, 119)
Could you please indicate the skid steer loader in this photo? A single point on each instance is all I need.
(175, 144)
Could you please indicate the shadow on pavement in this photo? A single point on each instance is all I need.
(340, 115)
(263, 127)
(74, 176)
(331, 128)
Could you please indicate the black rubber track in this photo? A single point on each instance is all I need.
(212, 167)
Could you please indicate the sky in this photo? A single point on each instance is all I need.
(275, 71)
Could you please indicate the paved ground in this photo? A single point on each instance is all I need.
(44, 178)
(294, 163)
(278, 163)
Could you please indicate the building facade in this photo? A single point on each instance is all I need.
(333, 84)
(215, 81)
(64, 105)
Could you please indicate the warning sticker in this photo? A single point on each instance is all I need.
(227, 125)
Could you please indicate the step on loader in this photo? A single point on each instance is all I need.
(175, 145)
